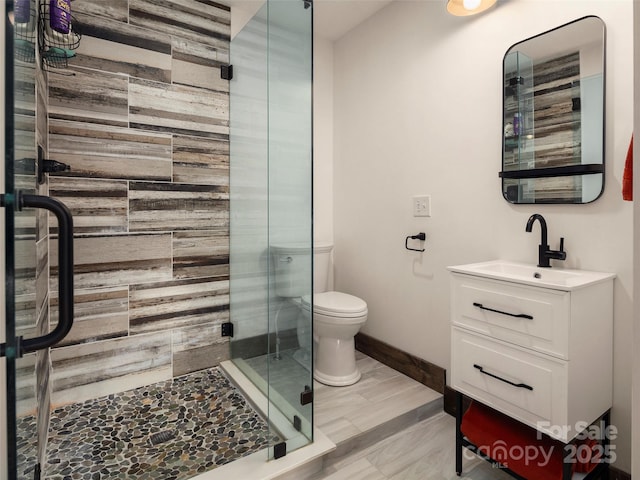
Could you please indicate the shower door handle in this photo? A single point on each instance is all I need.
(65, 272)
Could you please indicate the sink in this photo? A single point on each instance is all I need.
(560, 279)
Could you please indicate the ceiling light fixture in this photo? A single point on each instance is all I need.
(463, 8)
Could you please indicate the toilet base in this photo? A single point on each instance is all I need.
(337, 381)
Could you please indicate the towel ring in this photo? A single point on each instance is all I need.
(421, 236)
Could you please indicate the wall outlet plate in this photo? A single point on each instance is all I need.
(422, 206)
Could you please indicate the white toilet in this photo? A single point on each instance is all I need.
(337, 317)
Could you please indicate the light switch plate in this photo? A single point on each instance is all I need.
(422, 206)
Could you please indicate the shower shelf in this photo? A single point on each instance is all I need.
(56, 48)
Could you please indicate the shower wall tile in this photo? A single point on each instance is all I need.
(198, 160)
(42, 279)
(25, 146)
(96, 205)
(143, 123)
(99, 314)
(122, 33)
(110, 152)
(42, 108)
(201, 254)
(90, 96)
(113, 9)
(26, 384)
(92, 370)
(43, 395)
(26, 220)
(195, 52)
(25, 265)
(176, 304)
(198, 75)
(173, 206)
(110, 56)
(102, 261)
(24, 89)
(200, 347)
(203, 21)
(178, 109)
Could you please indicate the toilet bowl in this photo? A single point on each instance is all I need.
(337, 316)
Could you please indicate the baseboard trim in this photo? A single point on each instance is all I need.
(414, 367)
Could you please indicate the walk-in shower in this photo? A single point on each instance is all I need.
(182, 176)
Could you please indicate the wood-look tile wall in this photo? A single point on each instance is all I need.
(143, 122)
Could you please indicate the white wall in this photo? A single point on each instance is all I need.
(417, 111)
(241, 12)
(323, 139)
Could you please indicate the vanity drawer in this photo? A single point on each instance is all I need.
(527, 386)
(535, 318)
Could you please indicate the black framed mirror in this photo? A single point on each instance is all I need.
(553, 115)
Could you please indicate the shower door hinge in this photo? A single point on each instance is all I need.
(279, 450)
(226, 72)
(227, 329)
(306, 396)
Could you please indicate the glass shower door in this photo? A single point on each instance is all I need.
(22, 305)
(27, 332)
(271, 214)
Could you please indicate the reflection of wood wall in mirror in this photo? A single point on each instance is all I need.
(556, 84)
(558, 139)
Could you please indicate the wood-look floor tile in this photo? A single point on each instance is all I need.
(360, 469)
(392, 406)
(338, 430)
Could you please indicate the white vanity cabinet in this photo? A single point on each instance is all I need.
(538, 351)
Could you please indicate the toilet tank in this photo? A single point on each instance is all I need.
(321, 266)
(292, 268)
(291, 264)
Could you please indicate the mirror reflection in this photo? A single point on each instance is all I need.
(553, 116)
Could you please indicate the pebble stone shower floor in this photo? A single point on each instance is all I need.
(170, 430)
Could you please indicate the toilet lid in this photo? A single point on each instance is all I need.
(337, 304)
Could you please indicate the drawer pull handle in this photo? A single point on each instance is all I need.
(519, 385)
(517, 315)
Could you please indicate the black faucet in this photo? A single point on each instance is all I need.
(544, 253)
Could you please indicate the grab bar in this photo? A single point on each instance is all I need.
(65, 273)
